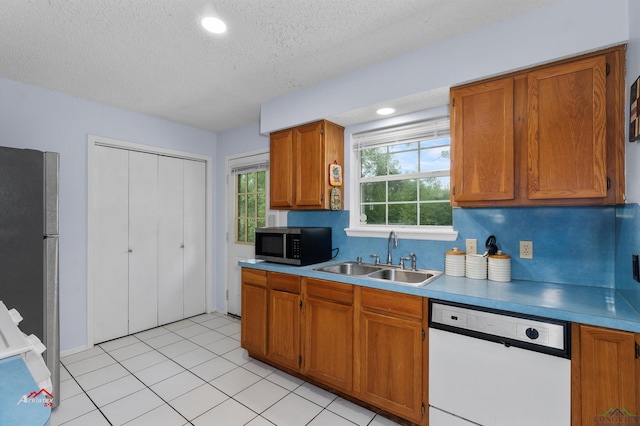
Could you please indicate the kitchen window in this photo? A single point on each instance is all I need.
(403, 180)
(251, 205)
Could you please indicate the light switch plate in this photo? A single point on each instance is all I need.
(472, 246)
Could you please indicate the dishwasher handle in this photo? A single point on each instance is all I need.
(539, 334)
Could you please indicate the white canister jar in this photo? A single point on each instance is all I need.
(454, 262)
(499, 268)
(476, 267)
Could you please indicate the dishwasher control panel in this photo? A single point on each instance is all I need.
(509, 328)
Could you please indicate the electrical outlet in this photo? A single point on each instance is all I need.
(472, 246)
(526, 249)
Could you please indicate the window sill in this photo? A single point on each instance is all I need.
(435, 234)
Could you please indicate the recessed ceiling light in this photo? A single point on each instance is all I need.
(214, 25)
(385, 111)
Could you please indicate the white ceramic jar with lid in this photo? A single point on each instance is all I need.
(499, 267)
(454, 263)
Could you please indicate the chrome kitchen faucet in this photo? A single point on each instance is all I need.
(393, 235)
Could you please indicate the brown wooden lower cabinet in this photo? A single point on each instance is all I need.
(328, 333)
(283, 330)
(605, 376)
(254, 303)
(370, 345)
(391, 363)
(365, 344)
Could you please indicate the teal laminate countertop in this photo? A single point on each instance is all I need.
(599, 306)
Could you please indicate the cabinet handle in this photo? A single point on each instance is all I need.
(182, 245)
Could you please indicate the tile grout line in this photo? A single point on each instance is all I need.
(200, 346)
(87, 395)
(144, 384)
(106, 351)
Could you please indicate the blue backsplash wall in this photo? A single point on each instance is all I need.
(571, 245)
(627, 243)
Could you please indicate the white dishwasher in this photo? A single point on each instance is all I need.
(495, 368)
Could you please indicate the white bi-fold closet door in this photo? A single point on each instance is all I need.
(150, 234)
(181, 239)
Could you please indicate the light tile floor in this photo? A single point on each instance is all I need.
(192, 372)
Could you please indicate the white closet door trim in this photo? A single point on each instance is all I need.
(94, 141)
(132, 146)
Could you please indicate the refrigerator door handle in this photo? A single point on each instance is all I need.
(51, 197)
(52, 314)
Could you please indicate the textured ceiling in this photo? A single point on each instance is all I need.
(151, 56)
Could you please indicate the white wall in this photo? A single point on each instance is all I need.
(561, 29)
(35, 118)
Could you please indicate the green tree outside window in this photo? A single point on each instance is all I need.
(406, 184)
(251, 205)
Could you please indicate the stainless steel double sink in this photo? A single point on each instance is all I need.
(387, 273)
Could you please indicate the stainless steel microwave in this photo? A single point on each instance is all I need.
(293, 246)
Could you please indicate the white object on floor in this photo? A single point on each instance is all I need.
(14, 342)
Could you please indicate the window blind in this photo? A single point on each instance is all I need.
(248, 168)
(419, 131)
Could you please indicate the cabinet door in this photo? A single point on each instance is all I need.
(608, 369)
(284, 328)
(195, 232)
(482, 141)
(309, 171)
(254, 312)
(391, 366)
(143, 241)
(170, 239)
(111, 256)
(281, 168)
(328, 331)
(567, 155)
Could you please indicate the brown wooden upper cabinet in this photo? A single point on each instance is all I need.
(483, 153)
(552, 135)
(299, 165)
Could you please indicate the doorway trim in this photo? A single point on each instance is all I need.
(274, 217)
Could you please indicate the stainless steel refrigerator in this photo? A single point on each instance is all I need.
(29, 247)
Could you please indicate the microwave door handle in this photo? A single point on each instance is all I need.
(284, 246)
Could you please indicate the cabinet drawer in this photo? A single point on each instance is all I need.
(284, 282)
(392, 302)
(255, 277)
(329, 290)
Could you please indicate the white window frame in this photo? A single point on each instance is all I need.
(244, 169)
(383, 135)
